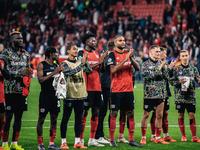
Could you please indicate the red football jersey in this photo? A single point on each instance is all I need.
(121, 81)
(93, 79)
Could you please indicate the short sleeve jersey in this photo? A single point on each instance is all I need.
(121, 81)
(93, 79)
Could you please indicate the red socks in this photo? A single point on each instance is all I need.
(40, 140)
(144, 129)
(165, 124)
(131, 129)
(112, 128)
(1, 127)
(83, 127)
(5, 136)
(122, 126)
(152, 124)
(93, 128)
(158, 132)
(15, 136)
(193, 127)
(52, 136)
(182, 126)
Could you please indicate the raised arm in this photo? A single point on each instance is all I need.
(40, 73)
(68, 71)
(111, 62)
(135, 64)
(148, 73)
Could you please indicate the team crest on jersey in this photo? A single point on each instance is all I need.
(118, 58)
(146, 106)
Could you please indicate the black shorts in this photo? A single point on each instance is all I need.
(2, 107)
(166, 105)
(181, 107)
(122, 101)
(151, 104)
(48, 102)
(15, 103)
(94, 99)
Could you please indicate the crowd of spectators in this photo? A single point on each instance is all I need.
(45, 23)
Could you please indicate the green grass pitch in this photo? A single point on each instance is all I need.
(28, 135)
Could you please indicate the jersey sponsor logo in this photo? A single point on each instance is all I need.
(92, 62)
(125, 64)
(52, 68)
(14, 63)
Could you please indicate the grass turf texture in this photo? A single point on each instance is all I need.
(28, 135)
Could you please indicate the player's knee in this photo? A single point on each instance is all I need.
(191, 116)
(181, 116)
(9, 116)
(40, 120)
(130, 114)
(159, 116)
(146, 114)
(95, 112)
(113, 113)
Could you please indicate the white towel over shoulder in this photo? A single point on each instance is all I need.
(60, 84)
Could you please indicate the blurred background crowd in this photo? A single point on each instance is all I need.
(174, 24)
